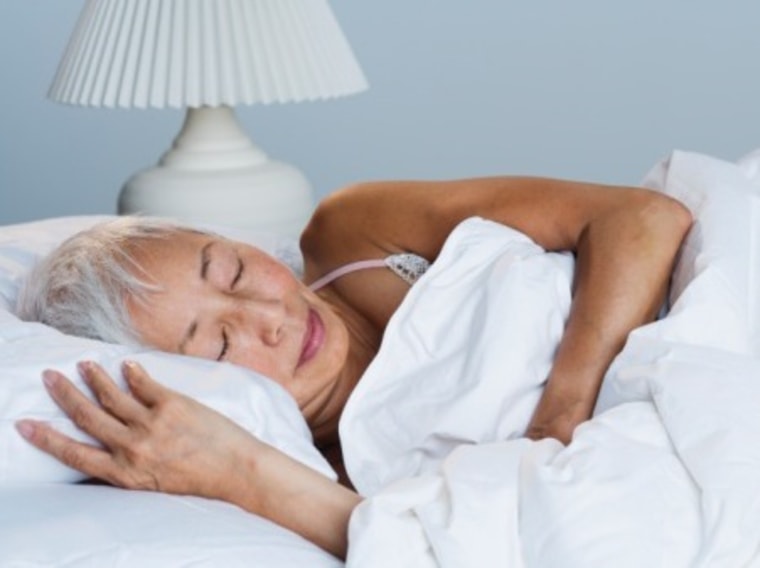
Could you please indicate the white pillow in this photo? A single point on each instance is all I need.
(26, 349)
(720, 257)
(750, 166)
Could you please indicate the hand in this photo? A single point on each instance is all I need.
(153, 438)
(560, 430)
(556, 419)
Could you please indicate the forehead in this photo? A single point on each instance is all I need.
(177, 253)
(183, 243)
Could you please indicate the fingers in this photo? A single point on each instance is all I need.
(90, 460)
(88, 416)
(112, 399)
(124, 422)
(142, 386)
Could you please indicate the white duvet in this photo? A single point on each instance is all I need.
(667, 473)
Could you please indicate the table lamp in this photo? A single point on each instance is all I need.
(207, 56)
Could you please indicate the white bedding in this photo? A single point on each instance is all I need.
(664, 473)
(667, 472)
(83, 526)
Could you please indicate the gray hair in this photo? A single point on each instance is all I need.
(81, 288)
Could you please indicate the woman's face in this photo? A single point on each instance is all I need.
(228, 301)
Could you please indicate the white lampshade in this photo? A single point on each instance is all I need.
(190, 53)
(207, 56)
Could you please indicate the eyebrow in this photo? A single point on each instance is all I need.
(193, 327)
(205, 259)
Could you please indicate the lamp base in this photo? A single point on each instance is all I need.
(214, 174)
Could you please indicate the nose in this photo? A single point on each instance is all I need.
(266, 318)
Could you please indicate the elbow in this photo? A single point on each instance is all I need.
(681, 216)
(666, 216)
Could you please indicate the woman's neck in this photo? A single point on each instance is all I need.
(364, 343)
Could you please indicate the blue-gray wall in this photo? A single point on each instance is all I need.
(587, 89)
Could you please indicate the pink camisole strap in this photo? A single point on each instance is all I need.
(408, 266)
(346, 269)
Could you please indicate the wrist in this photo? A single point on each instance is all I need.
(295, 496)
(241, 480)
(558, 430)
(557, 418)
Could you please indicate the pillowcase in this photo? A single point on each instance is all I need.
(27, 348)
(720, 257)
(750, 166)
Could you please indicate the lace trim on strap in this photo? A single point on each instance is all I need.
(408, 266)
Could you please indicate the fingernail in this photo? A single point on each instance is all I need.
(26, 429)
(49, 378)
(128, 366)
(84, 366)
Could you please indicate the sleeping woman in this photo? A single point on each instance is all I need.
(146, 282)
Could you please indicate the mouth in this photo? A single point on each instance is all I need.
(313, 337)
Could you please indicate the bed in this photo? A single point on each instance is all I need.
(666, 473)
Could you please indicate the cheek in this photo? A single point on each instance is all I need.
(264, 364)
(281, 278)
(268, 269)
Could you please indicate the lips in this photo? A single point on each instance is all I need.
(313, 337)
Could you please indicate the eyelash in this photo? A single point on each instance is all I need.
(225, 345)
(238, 275)
(225, 338)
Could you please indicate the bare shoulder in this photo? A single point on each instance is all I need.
(343, 229)
(336, 234)
(372, 219)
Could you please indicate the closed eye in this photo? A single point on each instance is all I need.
(238, 274)
(225, 345)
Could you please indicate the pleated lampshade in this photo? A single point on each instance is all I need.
(189, 53)
(208, 56)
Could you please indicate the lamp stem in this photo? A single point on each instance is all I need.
(212, 138)
(215, 174)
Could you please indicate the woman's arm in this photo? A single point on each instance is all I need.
(157, 439)
(625, 240)
(624, 262)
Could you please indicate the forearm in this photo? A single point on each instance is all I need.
(623, 269)
(296, 497)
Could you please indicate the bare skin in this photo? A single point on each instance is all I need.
(625, 241)
(228, 301)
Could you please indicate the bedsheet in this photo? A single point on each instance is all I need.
(667, 472)
(97, 526)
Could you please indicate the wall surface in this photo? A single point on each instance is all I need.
(588, 89)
